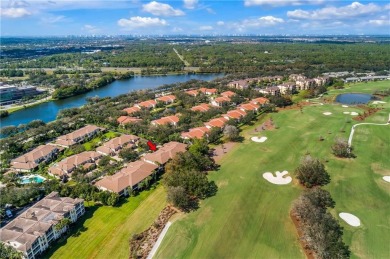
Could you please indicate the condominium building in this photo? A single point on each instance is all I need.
(35, 229)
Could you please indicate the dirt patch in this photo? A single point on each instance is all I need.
(141, 244)
(368, 111)
(267, 125)
(298, 106)
(220, 150)
(309, 253)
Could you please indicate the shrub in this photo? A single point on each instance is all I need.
(311, 172)
(341, 148)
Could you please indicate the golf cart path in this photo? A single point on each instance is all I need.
(365, 123)
(159, 240)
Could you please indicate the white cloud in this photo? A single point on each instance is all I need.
(270, 20)
(220, 23)
(161, 9)
(379, 22)
(206, 28)
(90, 28)
(50, 19)
(190, 4)
(210, 10)
(14, 12)
(141, 22)
(177, 29)
(355, 9)
(265, 21)
(16, 4)
(262, 21)
(281, 2)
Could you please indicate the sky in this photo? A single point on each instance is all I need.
(195, 17)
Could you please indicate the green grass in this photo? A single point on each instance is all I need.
(249, 217)
(104, 232)
(90, 145)
(368, 87)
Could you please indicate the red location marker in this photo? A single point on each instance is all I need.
(152, 146)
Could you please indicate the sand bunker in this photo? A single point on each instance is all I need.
(257, 139)
(344, 106)
(350, 219)
(386, 178)
(327, 113)
(278, 179)
(351, 113)
(377, 102)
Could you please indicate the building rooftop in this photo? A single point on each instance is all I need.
(166, 152)
(72, 138)
(25, 229)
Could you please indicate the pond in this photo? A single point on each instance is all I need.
(354, 98)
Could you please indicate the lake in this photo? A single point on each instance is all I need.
(48, 111)
(354, 98)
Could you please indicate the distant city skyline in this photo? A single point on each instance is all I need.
(194, 17)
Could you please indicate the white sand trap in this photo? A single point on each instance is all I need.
(327, 113)
(346, 112)
(377, 102)
(344, 106)
(278, 179)
(257, 139)
(321, 104)
(354, 113)
(386, 178)
(350, 219)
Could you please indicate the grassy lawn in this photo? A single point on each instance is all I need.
(104, 232)
(95, 141)
(367, 87)
(249, 217)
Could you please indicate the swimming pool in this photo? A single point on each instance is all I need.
(34, 178)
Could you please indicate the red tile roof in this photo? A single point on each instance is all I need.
(166, 152)
(228, 94)
(166, 120)
(126, 119)
(236, 114)
(195, 133)
(201, 107)
(147, 104)
(132, 110)
(249, 107)
(260, 100)
(131, 175)
(217, 122)
(167, 98)
(192, 92)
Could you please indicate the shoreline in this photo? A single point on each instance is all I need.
(27, 105)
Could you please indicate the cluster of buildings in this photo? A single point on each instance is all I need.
(12, 94)
(216, 100)
(244, 83)
(35, 229)
(129, 177)
(45, 153)
(237, 114)
(88, 160)
(366, 79)
(295, 82)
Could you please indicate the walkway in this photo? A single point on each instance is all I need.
(366, 123)
(181, 58)
(159, 240)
